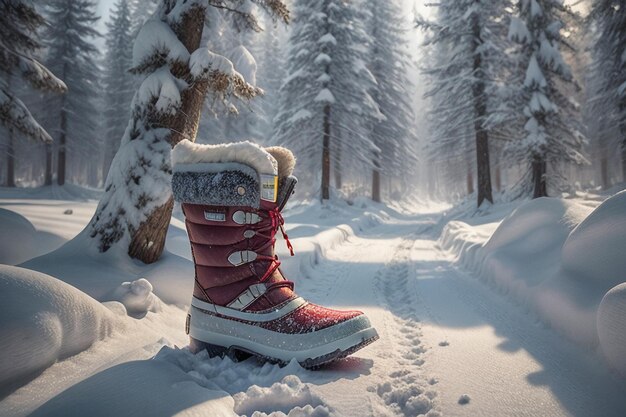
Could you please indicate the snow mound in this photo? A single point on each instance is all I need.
(288, 397)
(611, 322)
(590, 264)
(22, 236)
(595, 249)
(258, 390)
(137, 297)
(525, 248)
(43, 320)
(538, 225)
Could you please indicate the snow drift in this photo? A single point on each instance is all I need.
(612, 327)
(43, 320)
(101, 275)
(19, 237)
(559, 258)
(596, 249)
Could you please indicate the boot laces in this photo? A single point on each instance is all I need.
(277, 223)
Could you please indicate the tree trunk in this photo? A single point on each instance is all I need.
(482, 168)
(48, 173)
(539, 167)
(604, 171)
(61, 152)
(148, 241)
(184, 124)
(326, 155)
(483, 173)
(624, 161)
(10, 161)
(61, 148)
(376, 180)
(498, 177)
(470, 179)
(337, 164)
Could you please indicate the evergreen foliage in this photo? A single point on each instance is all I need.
(389, 63)
(608, 97)
(325, 106)
(465, 75)
(118, 82)
(552, 132)
(72, 119)
(19, 22)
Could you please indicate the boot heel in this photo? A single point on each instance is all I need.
(196, 346)
(236, 355)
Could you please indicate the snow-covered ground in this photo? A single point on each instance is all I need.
(456, 298)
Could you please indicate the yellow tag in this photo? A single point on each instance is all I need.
(269, 186)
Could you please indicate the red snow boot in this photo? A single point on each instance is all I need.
(232, 196)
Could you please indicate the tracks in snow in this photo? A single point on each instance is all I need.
(406, 390)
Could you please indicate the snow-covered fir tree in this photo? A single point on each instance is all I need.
(608, 81)
(325, 106)
(19, 43)
(135, 210)
(71, 118)
(551, 121)
(468, 36)
(389, 63)
(118, 82)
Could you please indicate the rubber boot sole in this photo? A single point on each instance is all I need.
(237, 353)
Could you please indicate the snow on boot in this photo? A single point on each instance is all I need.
(232, 196)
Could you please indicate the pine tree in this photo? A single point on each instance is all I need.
(389, 64)
(325, 105)
(118, 82)
(469, 37)
(72, 118)
(19, 42)
(551, 127)
(136, 208)
(608, 18)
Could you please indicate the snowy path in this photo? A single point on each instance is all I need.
(470, 341)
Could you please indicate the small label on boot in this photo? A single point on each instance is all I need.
(215, 217)
(269, 185)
